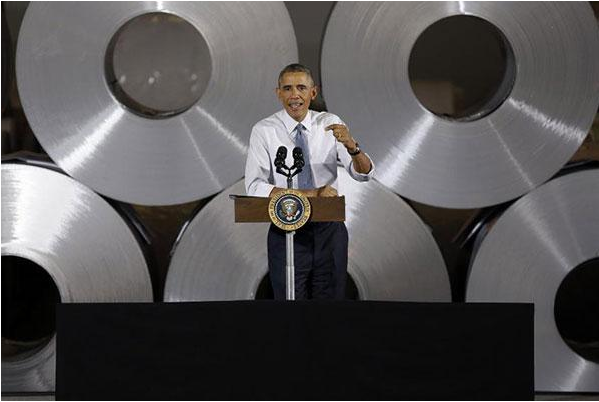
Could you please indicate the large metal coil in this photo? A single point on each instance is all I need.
(83, 244)
(525, 257)
(456, 163)
(392, 254)
(122, 154)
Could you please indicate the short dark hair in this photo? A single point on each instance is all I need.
(295, 68)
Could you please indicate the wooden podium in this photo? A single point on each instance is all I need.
(255, 209)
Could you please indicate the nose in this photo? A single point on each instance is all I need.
(294, 91)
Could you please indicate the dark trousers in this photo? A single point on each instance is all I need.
(320, 254)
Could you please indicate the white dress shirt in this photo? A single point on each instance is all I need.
(276, 130)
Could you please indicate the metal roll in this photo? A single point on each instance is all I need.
(392, 255)
(7, 55)
(101, 143)
(525, 257)
(82, 243)
(464, 164)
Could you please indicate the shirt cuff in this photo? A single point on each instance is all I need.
(261, 190)
(361, 176)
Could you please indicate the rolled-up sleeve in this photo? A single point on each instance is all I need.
(348, 164)
(257, 167)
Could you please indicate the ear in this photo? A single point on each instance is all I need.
(314, 92)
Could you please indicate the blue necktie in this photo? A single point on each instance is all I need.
(304, 178)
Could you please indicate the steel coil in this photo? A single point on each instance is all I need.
(129, 157)
(479, 162)
(525, 257)
(392, 254)
(82, 243)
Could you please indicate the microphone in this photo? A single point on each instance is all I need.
(298, 158)
(280, 158)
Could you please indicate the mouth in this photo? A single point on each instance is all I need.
(295, 105)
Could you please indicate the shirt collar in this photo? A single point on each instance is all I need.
(290, 123)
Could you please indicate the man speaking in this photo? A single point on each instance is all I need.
(320, 248)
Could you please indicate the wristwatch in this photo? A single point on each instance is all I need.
(356, 152)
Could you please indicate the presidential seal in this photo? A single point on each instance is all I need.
(289, 210)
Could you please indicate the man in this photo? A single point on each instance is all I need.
(320, 248)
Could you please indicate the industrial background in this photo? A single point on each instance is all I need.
(125, 127)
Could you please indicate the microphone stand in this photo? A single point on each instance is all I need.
(290, 260)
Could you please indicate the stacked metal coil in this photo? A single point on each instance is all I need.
(126, 156)
(80, 241)
(392, 254)
(476, 162)
(526, 256)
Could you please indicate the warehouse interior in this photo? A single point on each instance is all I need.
(101, 132)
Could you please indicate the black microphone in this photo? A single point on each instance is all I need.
(280, 158)
(298, 158)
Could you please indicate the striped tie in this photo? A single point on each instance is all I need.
(304, 178)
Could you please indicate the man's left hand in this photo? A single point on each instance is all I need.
(341, 133)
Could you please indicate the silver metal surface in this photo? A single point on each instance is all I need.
(526, 256)
(83, 244)
(392, 255)
(290, 266)
(456, 164)
(96, 140)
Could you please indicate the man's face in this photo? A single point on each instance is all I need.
(295, 92)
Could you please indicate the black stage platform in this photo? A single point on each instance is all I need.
(266, 350)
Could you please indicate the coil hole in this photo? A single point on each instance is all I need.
(576, 309)
(462, 68)
(158, 65)
(29, 298)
